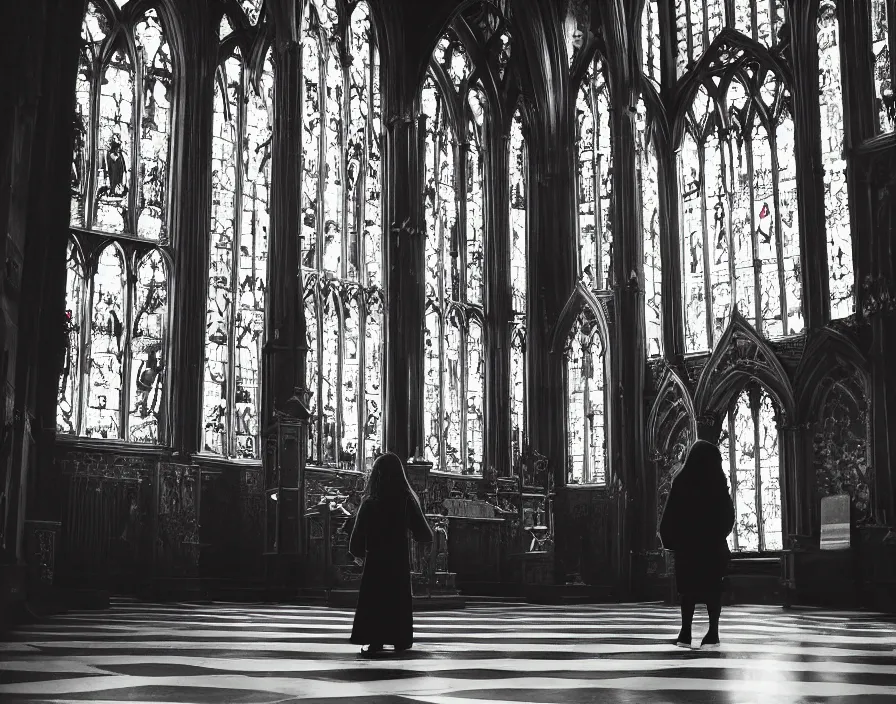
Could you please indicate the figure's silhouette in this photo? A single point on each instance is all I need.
(380, 536)
(697, 520)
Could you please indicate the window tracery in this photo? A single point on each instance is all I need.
(518, 284)
(340, 193)
(456, 111)
(881, 17)
(751, 458)
(648, 181)
(113, 380)
(595, 178)
(699, 22)
(587, 406)
(740, 234)
(830, 93)
(237, 280)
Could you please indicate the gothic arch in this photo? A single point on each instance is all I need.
(581, 299)
(714, 62)
(671, 428)
(826, 350)
(671, 415)
(742, 355)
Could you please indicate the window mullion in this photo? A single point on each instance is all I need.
(86, 336)
(755, 400)
(127, 314)
(93, 130)
(230, 440)
(707, 273)
(595, 184)
(754, 237)
(779, 239)
(135, 138)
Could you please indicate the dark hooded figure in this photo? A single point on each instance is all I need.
(388, 512)
(697, 520)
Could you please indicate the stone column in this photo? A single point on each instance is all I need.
(809, 169)
(190, 222)
(404, 274)
(498, 304)
(285, 338)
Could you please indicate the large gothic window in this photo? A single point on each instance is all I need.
(455, 110)
(836, 201)
(881, 48)
(519, 241)
(751, 458)
(648, 180)
(113, 383)
(342, 267)
(586, 373)
(595, 178)
(237, 275)
(740, 235)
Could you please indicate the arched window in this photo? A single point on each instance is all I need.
(740, 235)
(751, 458)
(340, 193)
(519, 183)
(881, 17)
(595, 178)
(113, 383)
(699, 22)
(454, 384)
(586, 389)
(650, 226)
(836, 201)
(237, 277)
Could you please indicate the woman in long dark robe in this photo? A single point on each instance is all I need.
(697, 520)
(389, 511)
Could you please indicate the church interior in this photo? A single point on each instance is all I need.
(535, 248)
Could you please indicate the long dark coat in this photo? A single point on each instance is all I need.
(696, 522)
(384, 614)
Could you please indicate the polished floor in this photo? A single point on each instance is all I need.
(221, 653)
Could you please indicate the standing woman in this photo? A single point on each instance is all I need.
(380, 536)
(697, 520)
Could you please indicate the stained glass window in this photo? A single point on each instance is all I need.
(454, 384)
(587, 403)
(751, 458)
(518, 283)
(699, 22)
(113, 379)
(595, 178)
(740, 235)
(883, 67)
(650, 225)
(830, 93)
(342, 238)
(241, 175)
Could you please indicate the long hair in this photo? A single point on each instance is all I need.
(702, 469)
(388, 480)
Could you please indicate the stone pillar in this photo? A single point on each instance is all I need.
(190, 221)
(798, 485)
(669, 198)
(285, 338)
(498, 304)
(809, 169)
(404, 270)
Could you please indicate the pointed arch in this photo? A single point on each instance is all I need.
(672, 416)
(826, 350)
(581, 298)
(740, 356)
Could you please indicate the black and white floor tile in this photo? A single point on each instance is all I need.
(614, 654)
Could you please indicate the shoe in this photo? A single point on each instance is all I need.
(371, 651)
(711, 644)
(682, 644)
